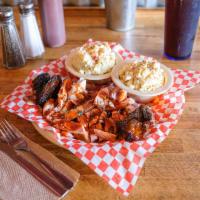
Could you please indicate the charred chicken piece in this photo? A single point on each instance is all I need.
(146, 114)
(129, 137)
(136, 129)
(50, 90)
(133, 127)
(39, 82)
(142, 114)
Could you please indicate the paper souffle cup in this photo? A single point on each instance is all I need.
(102, 78)
(139, 96)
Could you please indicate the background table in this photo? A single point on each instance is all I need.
(173, 171)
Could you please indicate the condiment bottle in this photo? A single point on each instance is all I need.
(13, 55)
(30, 35)
(52, 17)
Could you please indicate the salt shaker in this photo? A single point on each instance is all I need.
(30, 35)
(13, 55)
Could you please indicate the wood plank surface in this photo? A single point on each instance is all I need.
(172, 172)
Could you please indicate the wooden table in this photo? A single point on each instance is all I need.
(173, 171)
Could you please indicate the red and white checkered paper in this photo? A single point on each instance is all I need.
(118, 163)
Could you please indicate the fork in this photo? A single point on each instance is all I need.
(13, 137)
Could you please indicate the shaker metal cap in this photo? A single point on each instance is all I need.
(6, 13)
(26, 7)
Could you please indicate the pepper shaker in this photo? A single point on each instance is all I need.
(13, 55)
(30, 35)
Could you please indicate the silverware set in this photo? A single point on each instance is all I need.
(12, 142)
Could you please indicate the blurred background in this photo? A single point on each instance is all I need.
(100, 3)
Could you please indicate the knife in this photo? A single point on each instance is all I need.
(36, 173)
